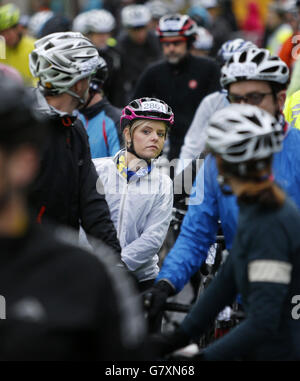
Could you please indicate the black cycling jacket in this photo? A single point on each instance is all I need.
(63, 303)
(264, 267)
(182, 87)
(65, 188)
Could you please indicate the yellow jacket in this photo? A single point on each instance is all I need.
(19, 58)
(292, 109)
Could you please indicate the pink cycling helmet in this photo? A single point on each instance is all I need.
(147, 108)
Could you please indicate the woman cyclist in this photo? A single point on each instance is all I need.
(140, 198)
(264, 263)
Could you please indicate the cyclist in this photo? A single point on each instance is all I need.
(140, 198)
(194, 141)
(37, 22)
(277, 29)
(17, 45)
(180, 76)
(46, 22)
(65, 189)
(100, 118)
(50, 315)
(99, 25)
(203, 43)
(158, 9)
(138, 45)
(255, 77)
(264, 263)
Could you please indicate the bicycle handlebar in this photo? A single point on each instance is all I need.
(177, 307)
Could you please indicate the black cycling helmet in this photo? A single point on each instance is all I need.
(20, 123)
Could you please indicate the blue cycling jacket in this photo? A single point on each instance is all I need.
(208, 205)
(103, 135)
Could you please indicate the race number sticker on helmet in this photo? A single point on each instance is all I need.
(155, 106)
(241, 70)
(147, 108)
(254, 64)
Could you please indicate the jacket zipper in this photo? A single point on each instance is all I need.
(122, 206)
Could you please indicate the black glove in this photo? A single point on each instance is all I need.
(164, 344)
(156, 297)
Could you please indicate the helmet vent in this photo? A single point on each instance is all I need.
(259, 58)
(243, 57)
(254, 120)
(269, 70)
(49, 46)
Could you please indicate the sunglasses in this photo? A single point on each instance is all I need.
(251, 98)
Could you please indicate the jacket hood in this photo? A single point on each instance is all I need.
(46, 109)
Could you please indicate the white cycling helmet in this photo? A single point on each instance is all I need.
(37, 21)
(94, 21)
(204, 39)
(254, 64)
(230, 47)
(176, 25)
(60, 60)
(158, 8)
(135, 16)
(240, 133)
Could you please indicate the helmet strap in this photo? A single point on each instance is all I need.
(130, 148)
(82, 101)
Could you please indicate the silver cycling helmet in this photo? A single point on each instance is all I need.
(60, 60)
(94, 21)
(135, 16)
(158, 8)
(230, 47)
(254, 64)
(240, 133)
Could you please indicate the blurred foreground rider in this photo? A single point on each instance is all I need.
(264, 263)
(46, 313)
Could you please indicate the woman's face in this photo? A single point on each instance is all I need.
(148, 139)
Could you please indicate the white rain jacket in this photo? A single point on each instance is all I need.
(141, 212)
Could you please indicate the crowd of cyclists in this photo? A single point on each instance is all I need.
(91, 109)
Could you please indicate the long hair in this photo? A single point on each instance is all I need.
(255, 186)
(266, 193)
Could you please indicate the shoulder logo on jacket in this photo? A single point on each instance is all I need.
(193, 84)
